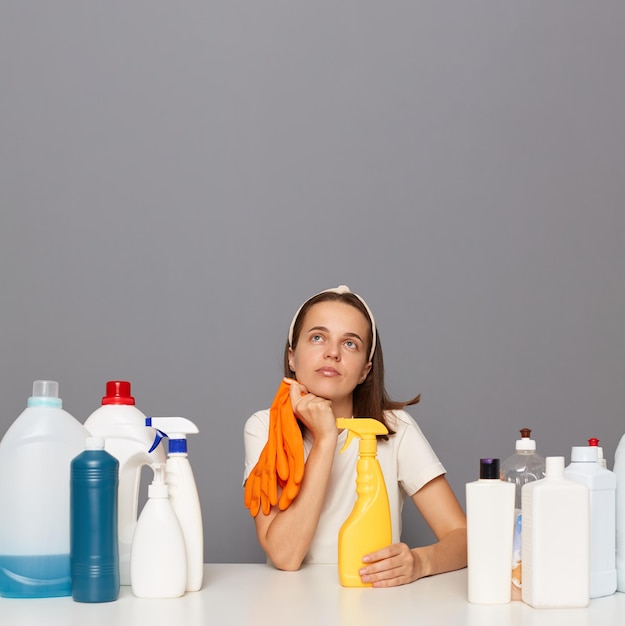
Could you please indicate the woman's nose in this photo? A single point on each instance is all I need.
(332, 351)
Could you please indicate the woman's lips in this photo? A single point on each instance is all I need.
(327, 371)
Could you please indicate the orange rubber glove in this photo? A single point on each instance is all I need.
(280, 463)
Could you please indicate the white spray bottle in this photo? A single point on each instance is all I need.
(126, 437)
(183, 492)
(158, 559)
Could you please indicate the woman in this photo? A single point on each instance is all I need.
(333, 362)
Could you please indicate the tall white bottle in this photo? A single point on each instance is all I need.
(601, 482)
(158, 558)
(619, 472)
(556, 540)
(183, 493)
(128, 439)
(490, 519)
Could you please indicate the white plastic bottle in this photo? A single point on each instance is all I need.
(619, 472)
(158, 558)
(35, 457)
(128, 439)
(490, 517)
(524, 466)
(585, 469)
(556, 540)
(183, 493)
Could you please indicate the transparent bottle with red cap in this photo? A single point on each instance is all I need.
(524, 466)
(122, 426)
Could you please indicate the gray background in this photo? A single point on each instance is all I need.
(175, 178)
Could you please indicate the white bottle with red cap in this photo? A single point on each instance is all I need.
(128, 439)
(601, 482)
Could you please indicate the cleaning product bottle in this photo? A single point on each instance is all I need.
(368, 527)
(183, 492)
(556, 540)
(94, 552)
(593, 441)
(35, 456)
(490, 516)
(524, 466)
(619, 472)
(158, 558)
(128, 439)
(601, 482)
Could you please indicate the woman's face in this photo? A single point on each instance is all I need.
(331, 354)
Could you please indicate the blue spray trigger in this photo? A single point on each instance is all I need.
(158, 437)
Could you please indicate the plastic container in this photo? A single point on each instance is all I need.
(128, 439)
(368, 527)
(183, 493)
(94, 553)
(523, 467)
(601, 482)
(619, 472)
(490, 517)
(556, 540)
(35, 456)
(158, 558)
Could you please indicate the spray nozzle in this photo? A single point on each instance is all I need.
(364, 427)
(175, 428)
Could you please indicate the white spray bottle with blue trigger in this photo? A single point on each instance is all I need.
(183, 492)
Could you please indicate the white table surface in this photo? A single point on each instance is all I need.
(263, 596)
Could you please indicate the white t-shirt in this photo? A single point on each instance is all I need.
(407, 461)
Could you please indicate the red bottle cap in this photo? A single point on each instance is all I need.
(593, 441)
(118, 392)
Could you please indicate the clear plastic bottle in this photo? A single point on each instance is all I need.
(94, 552)
(490, 514)
(35, 456)
(523, 467)
(158, 558)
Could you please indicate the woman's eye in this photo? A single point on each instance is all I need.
(351, 344)
(316, 338)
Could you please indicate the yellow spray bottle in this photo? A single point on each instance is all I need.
(368, 526)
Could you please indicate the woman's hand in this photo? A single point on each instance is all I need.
(394, 565)
(314, 412)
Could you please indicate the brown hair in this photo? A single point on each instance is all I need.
(370, 398)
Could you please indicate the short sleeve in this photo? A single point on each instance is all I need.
(255, 435)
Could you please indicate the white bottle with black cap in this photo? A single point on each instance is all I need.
(490, 518)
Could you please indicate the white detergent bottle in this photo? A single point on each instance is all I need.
(158, 558)
(601, 482)
(35, 457)
(524, 466)
(183, 493)
(556, 540)
(128, 439)
(619, 472)
(490, 517)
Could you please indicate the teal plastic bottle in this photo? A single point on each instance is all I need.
(94, 551)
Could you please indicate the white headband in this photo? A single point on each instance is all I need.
(339, 289)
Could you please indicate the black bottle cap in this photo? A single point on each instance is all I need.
(489, 468)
